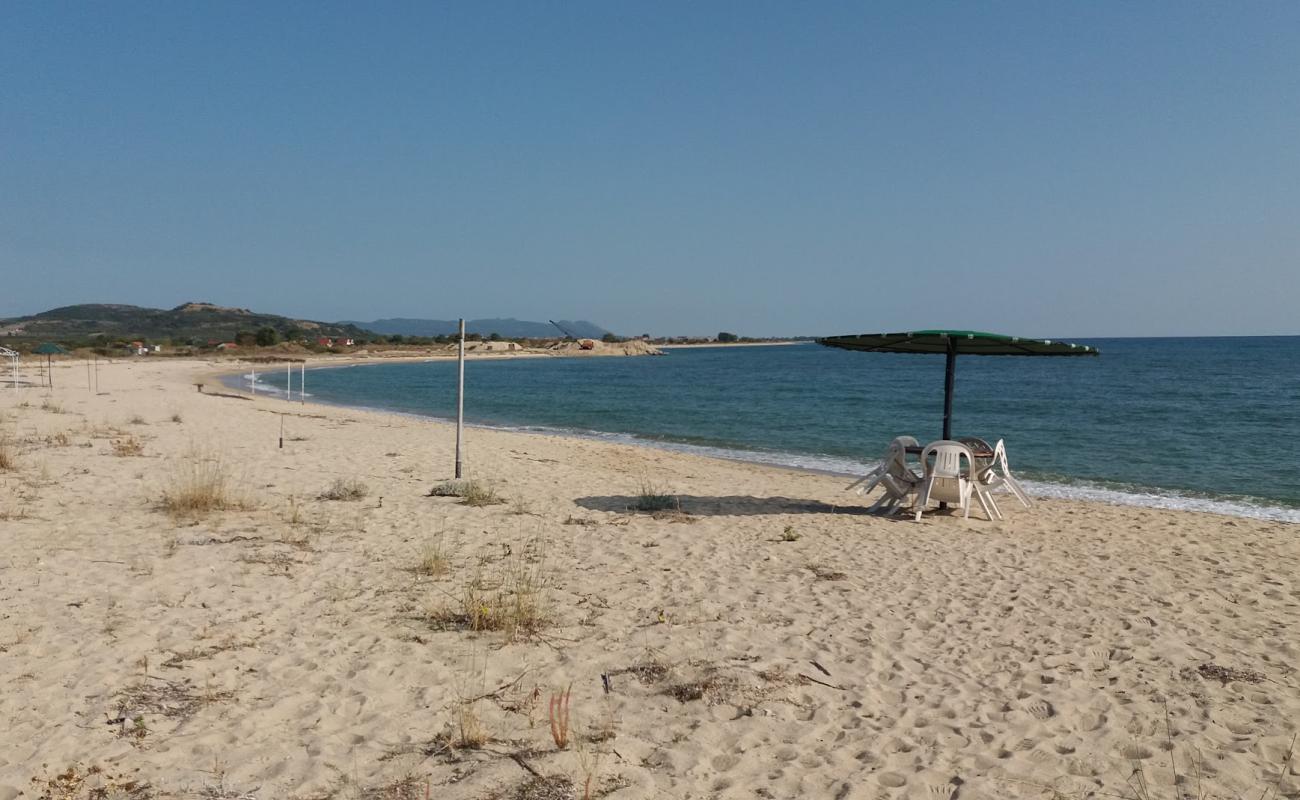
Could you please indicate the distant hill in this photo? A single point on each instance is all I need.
(508, 328)
(196, 321)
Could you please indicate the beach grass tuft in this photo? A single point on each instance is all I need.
(651, 498)
(345, 489)
(433, 560)
(510, 597)
(471, 492)
(128, 446)
(8, 459)
(200, 485)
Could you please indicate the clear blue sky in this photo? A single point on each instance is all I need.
(1036, 168)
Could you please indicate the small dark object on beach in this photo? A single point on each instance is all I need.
(1227, 675)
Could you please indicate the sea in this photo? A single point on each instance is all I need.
(1205, 424)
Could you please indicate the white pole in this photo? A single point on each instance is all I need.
(288, 380)
(460, 396)
(302, 383)
(252, 385)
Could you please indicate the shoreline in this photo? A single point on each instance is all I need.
(1082, 491)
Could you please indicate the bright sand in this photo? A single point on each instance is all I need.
(287, 649)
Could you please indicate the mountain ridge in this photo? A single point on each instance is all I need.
(190, 320)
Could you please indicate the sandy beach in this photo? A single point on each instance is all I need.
(329, 630)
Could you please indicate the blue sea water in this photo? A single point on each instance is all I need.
(1200, 423)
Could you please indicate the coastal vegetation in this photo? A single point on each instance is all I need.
(200, 484)
(345, 489)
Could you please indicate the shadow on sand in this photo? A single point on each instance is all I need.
(728, 506)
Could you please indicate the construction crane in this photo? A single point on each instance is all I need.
(583, 344)
(567, 334)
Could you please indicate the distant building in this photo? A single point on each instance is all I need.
(325, 341)
(227, 346)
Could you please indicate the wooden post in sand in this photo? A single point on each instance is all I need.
(460, 396)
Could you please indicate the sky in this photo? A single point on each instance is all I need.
(1040, 169)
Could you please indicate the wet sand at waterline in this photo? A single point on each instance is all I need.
(759, 637)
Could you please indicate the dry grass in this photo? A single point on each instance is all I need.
(433, 560)
(52, 407)
(651, 498)
(128, 446)
(8, 458)
(509, 598)
(90, 783)
(345, 489)
(557, 711)
(137, 420)
(200, 484)
(472, 493)
(176, 417)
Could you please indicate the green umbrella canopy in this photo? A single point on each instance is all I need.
(952, 344)
(973, 343)
(48, 349)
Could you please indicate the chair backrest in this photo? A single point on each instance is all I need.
(897, 458)
(1000, 457)
(976, 444)
(947, 459)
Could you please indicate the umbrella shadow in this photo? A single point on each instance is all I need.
(726, 506)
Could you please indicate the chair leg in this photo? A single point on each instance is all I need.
(983, 498)
(922, 497)
(997, 512)
(1019, 492)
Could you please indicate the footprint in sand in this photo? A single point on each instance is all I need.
(1091, 721)
(725, 762)
(1098, 658)
(1040, 709)
(943, 790)
(1136, 752)
(891, 780)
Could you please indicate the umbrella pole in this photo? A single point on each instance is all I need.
(950, 372)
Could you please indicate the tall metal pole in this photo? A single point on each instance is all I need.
(302, 383)
(460, 396)
(288, 381)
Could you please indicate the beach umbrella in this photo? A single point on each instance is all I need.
(48, 349)
(953, 344)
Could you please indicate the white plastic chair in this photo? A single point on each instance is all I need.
(945, 479)
(893, 474)
(997, 475)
